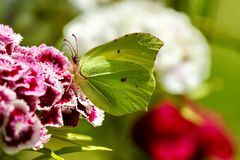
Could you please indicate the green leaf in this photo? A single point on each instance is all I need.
(56, 156)
(67, 136)
(95, 148)
(65, 150)
(48, 153)
(5, 156)
(72, 149)
(79, 137)
(118, 76)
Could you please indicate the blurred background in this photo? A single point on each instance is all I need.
(97, 21)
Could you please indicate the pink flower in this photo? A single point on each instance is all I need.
(6, 95)
(165, 134)
(53, 58)
(53, 88)
(32, 82)
(44, 138)
(36, 90)
(10, 69)
(21, 130)
(32, 101)
(2, 48)
(93, 114)
(6, 98)
(68, 98)
(8, 36)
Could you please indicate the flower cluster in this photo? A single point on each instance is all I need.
(36, 90)
(184, 61)
(167, 133)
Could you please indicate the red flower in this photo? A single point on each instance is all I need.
(165, 134)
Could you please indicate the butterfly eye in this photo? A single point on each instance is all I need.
(75, 60)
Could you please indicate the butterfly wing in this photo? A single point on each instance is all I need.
(118, 76)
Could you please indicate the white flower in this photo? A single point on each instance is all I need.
(183, 62)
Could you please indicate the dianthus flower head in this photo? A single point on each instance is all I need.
(165, 133)
(7, 35)
(36, 90)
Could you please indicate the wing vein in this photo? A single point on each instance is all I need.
(107, 73)
(100, 93)
(103, 84)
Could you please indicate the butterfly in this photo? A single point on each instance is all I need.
(118, 76)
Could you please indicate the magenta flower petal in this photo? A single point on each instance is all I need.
(10, 69)
(51, 96)
(68, 103)
(68, 98)
(165, 134)
(6, 98)
(20, 50)
(36, 90)
(54, 89)
(4, 113)
(215, 143)
(32, 51)
(44, 138)
(21, 130)
(2, 48)
(31, 87)
(163, 125)
(96, 116)
(50, 116)
(67, 79)
(8, 36)
(23, 54)
(54, 58)
(182, 148)
(169, 119)
(32, 101)
(32, 83)
(89, 111)
(214, 140)
(6, 95)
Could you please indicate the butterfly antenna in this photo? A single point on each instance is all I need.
(69, 47)
(73, 52)
(65, 44)
(68, 44)
(76, 42)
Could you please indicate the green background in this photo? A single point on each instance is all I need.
(41, 21)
